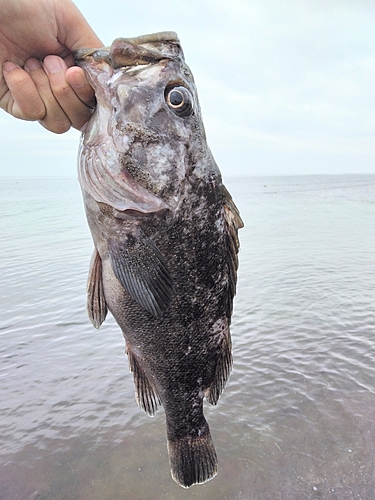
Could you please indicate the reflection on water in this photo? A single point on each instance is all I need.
(297, 419)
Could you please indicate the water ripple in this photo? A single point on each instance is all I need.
(297, 419)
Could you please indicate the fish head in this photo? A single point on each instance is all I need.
(146, 135)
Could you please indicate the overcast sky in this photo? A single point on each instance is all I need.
(286, 87)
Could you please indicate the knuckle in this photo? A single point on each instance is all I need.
(29, 110)
(80, 120)
(61, 128)
(36, 114)
(62, 90)
(56, 126)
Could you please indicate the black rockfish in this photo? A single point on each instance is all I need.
(165, 235)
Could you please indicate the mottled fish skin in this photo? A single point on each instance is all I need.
(165, 235)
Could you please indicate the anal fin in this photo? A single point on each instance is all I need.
(96, 304)
(146, 394)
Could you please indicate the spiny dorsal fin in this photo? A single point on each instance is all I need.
(233, 223)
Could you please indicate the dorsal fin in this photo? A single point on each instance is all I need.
(233, 223)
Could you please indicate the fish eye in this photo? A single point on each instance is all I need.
(179, 100)
(176, 98)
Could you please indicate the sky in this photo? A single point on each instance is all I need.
(286, 87)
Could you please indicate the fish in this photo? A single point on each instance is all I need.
(165, 232)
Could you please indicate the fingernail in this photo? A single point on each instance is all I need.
(32, 64)
(9, 66)
(77, 80)
(52, 65)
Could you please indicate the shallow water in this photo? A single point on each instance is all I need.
(297, 419)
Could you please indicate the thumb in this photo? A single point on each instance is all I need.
(74, 32)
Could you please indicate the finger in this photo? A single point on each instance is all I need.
(22, 100)
(76, 77)
(55, 118)
(77, 112)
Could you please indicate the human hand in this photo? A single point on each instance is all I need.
(54, 92)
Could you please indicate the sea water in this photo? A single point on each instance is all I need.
(297, 418)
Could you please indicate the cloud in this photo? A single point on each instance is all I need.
(296, 77)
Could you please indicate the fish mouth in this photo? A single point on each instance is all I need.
(130, 52)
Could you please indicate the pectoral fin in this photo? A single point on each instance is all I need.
(96, 304)
(141, 269)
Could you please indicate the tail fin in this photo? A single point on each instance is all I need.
(192, 459)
